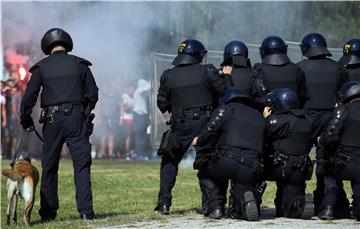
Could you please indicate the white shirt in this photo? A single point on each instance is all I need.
(139, 98)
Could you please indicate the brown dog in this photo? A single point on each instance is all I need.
(23, 178)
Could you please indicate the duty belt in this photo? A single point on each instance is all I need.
(65, 108)
(254, 164)
(195, 112)
(299, 162)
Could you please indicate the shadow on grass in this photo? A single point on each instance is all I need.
(185, 211)
(100, 216)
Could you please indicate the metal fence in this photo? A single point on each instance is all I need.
(160, 62)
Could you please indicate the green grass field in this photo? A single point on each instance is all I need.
(123, 192)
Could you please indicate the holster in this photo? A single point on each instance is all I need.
(170, 144)
(302, 163)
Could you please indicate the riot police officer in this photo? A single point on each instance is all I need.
(236, 130)
(342, 133)
(277, 71)
(323, 78)
(287, 161)
(351, 59)
(189, 92)
(68, 92)
(236, 56)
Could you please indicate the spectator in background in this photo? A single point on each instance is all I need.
(4, 123)
(127, 120)
(110, 113)
(141, 119)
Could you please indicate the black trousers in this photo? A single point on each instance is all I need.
(244, 177)
(329, 191)
(141, 138)
(351, 171)
(290, 193)
(72, 130)
(186, 129)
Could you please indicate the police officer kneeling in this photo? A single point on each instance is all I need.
(342, 134)
(236, 130)
(287, 161)
(68, 92)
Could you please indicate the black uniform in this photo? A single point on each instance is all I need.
(237, 132)
(287, 75)
(342, 134)
(68, 87)
(324, 77)
(189, 92)
(354, 72)
(287, 160)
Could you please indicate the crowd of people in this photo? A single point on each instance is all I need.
(122, 120)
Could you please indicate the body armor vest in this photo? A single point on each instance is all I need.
(62, 82)
(241, 77)
(354, 72)
(244, 128)
(190, 87)
(351, 132)
(280, 76)
(322, 78)
(298, 139)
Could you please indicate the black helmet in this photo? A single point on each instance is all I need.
(349, 91)
(284, 99)
(273, 51)
(314, 44)
(232, 93)
(190, 51)
(351, 52)
(55, 37)
(235, 52)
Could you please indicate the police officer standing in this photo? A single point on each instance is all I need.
(277, 71)
(351, 59)
(236, 56)
(342, 133)
(236, 130)
(189, 92)
(324, 77)
(68, 92)
(287, 161)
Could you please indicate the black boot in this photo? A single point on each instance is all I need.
(327, 213)
(217, 213)
(163, 209)
(308, 207)
(251, 210)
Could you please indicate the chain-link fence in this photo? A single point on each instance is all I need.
(161, 62)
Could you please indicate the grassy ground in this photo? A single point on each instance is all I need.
(123, 192)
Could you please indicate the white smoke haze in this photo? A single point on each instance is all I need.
(117, 37)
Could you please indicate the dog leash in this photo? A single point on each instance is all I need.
(16, 153)
(17, 149)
